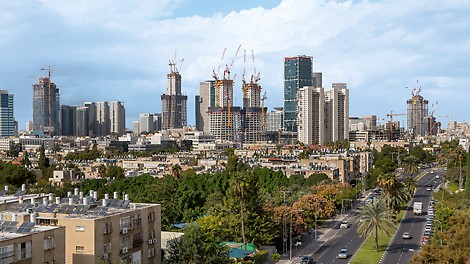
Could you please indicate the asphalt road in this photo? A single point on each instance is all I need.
(401, 250)
(342, 238)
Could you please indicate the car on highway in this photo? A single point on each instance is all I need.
(344, 225)
(431, 213)
(307, 260)
(343, 253)
(406, 235)
(429, 188)
(432, 172)
(437, 176)
(428, 228)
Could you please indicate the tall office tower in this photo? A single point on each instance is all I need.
(7, 121)
(92, 122)
(297, 74)
(82, 120)
(102, 119)
(275, 119)
(317, 79)
(117, 118)
(46, 107)
(157, 118)
(417, 111)
(173, 103)
(337, 113)
(254, 117)
(310, 115)
(68, 121)
(147, 122)
(204, 100)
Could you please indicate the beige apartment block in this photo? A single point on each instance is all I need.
(106, 230)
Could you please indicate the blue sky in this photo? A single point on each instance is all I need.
(107, 50)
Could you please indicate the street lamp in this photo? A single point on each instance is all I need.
(343, 204)
(440, 238)
(290, 245)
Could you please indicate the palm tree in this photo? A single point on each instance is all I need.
(388, 184)
(399, 197)
(373, 218)
(410, 184)
(239, 187)
(176, 170)
(411, 165)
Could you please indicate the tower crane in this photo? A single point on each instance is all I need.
(217, 83)
(173, 63)
(391, 115)
(255, 77)
(262, 109)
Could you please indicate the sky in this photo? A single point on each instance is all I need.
(107, 50)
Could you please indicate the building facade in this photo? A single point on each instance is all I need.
(46, 107)
(7, 119)
(417, 112)
(275, 119)
(311, 116)
(204, 100)
(298, 72)
(117, 118)
(337, 113)
(68, 123)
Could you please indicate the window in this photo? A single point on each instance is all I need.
(79, 248)
(136, 240)
(49, 242)
(125, 224)
(151, 252)
(136, 221)
(107, 228)
(24, 250)
(151, 216)
(107, 248)
(7, 254)
(80, 228)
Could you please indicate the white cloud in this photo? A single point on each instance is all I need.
(120, 49)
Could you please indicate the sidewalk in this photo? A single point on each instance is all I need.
(324, 233)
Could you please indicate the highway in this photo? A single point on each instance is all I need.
(342, 238)
(401, 250)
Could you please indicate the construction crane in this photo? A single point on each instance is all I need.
(391, 115)
(217, 83)
(255, 77)
(49, 106)
(173, 63)
(262, 109)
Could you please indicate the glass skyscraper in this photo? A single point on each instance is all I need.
(298, 72)
(7, 121)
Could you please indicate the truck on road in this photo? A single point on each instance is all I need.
(418, 208)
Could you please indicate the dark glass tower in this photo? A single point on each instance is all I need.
(298, 72)
(7, 121)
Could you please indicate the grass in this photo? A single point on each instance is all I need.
(367, 253)
(453, 186)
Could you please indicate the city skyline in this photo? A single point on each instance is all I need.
(377, 48)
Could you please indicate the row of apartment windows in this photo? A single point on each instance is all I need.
(9, 255)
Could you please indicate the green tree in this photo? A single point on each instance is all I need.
(388, 183)
(410, 184)
(239, 189)
(374, 218)
(115, 172)
(176, 170)
(26, 162)
(467, 179)
(196, 247)
(43, 162)
(411, 165)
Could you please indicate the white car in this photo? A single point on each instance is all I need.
(406, 235)
(344, 225)
(343, 254)
(437, 176)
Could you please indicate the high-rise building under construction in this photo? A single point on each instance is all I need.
(173, 102)
(417, 111)
(254, 129)
(46, 107)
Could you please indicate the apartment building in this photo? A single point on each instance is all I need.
(107, 230)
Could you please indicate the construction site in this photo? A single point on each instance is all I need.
(241, 125)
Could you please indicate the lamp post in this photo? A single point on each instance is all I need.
(342, 201)
(290, 244)
(440, 238)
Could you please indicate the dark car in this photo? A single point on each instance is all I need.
(307, 260)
